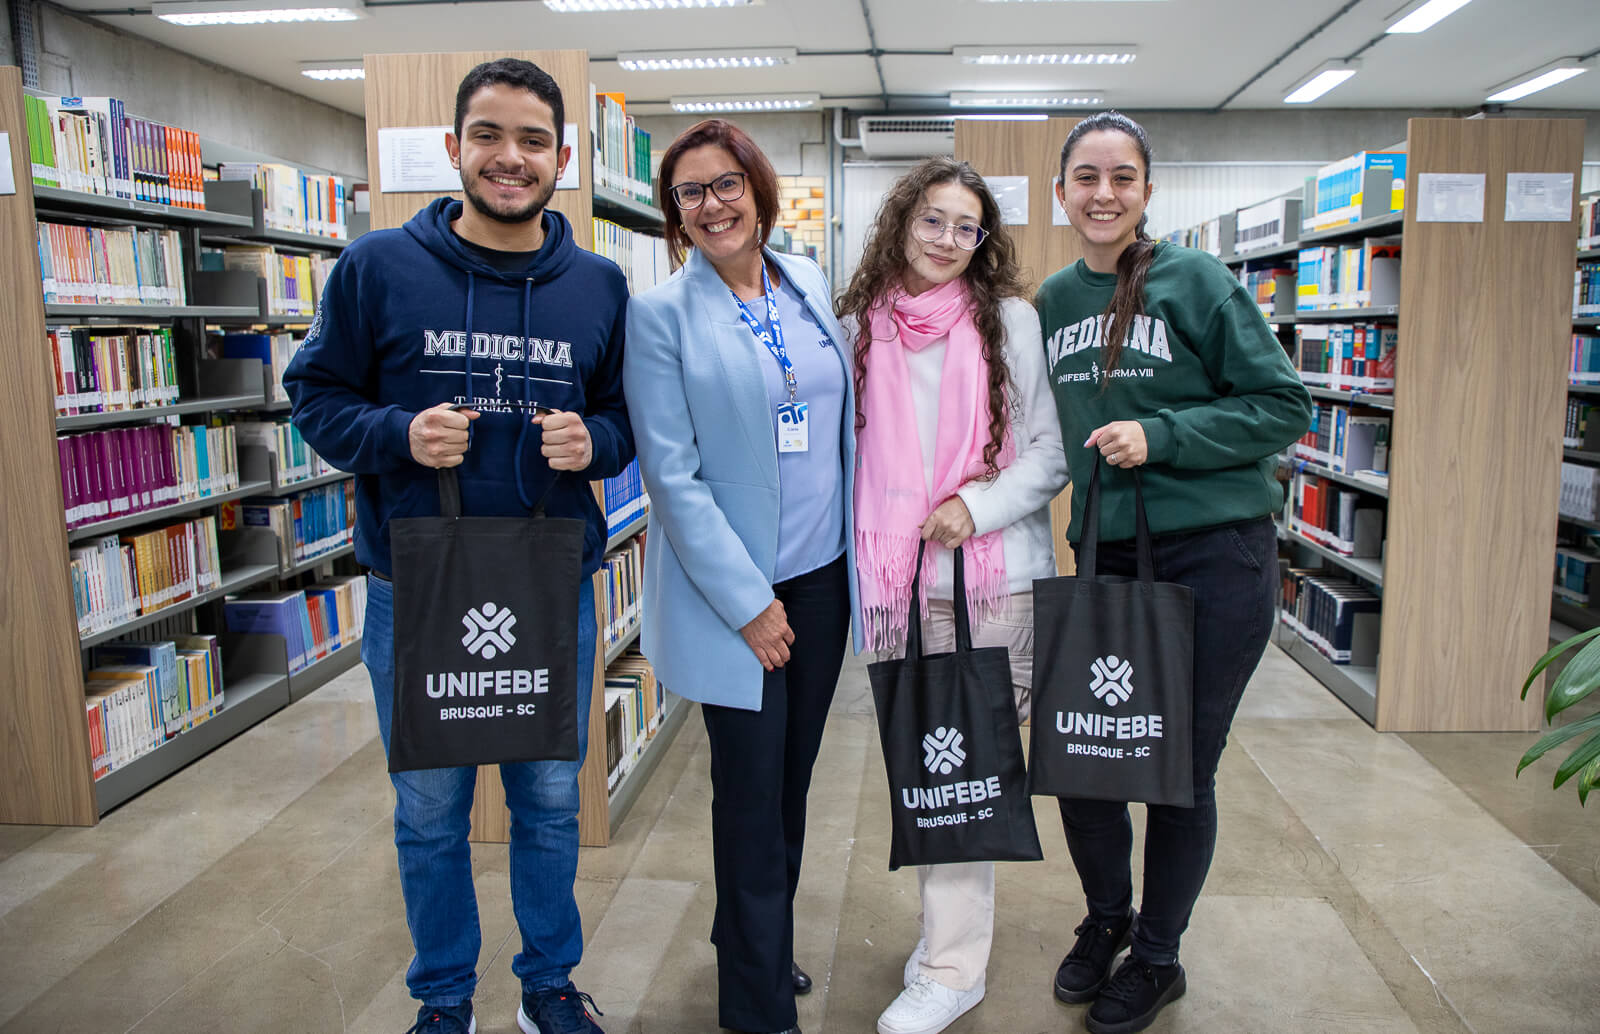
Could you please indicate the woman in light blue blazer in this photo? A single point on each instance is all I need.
(739, 389)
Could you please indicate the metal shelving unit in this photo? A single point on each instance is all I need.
(160, 513)
(319, 480)
(1383, 225)
(1357, 687)
(321, 558)
(1281, 251)
(56, 311)
(1371, 312)
(617, 648)
(1362, 567)
(1370, 485)
(627, 792)
(627, 211)
(232, 581)
(55, 199)
(1355, 398)
(628, 531)
(80, 421)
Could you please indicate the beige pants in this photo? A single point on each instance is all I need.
(958, 899)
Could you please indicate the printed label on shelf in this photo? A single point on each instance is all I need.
(1450, 197)
(1011, 194)
(8, 180)
(1538, 197)
(413, 158)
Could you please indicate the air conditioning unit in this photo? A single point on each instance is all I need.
(893, 136)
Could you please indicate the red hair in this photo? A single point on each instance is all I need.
(761, 180)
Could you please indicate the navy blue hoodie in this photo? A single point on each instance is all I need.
(411, 318)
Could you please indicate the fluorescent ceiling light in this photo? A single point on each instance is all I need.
(1032, 1)
(255, 12)
(1321, 81)
(1422, 15)
(1017, 117)
(584, 6)
(685, 60)
(1026, 55)
(327, 71)
(993, 99)
(1541, 78)
(753, 102)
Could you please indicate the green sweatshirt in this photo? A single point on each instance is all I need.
(1201, 372)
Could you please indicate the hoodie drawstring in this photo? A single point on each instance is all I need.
(471, 291)
(527, 393)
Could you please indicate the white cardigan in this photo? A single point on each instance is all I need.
(1018, 499)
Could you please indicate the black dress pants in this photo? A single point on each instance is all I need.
(760, 772)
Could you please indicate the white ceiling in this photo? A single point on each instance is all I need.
(1192, 53)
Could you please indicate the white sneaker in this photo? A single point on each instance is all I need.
(926, 1007)
(919, 955)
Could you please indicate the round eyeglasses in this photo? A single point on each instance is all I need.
(728, 187)
(930, 230)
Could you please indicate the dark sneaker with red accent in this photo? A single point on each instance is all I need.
(561, 1010)
(443, 1019)
(1084, 971)
(1134, 996)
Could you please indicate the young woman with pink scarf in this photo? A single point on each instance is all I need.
(950, 371)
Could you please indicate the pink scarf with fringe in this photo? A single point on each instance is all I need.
(891, 494)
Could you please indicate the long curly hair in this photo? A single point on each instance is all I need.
(992, 277)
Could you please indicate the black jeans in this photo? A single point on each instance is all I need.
(1232, 570)
(760, 772)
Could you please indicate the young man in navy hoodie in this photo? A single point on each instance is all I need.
(489, 307)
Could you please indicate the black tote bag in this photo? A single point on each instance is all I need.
(486, 637)
(1113, 669)
(948, 724)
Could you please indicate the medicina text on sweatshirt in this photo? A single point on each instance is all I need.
(414, 317)
(1203, 375)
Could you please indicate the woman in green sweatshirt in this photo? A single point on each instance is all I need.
(1159, 360)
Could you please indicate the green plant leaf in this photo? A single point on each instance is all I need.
(1588, 780)
(1588, 752)
(1577, 680)
(1556, 651)
(1555, 738)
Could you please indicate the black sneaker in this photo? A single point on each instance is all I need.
(440, 1019)
(1134, 995)
(558, 1011)
(1083, 972)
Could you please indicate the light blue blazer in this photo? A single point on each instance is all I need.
(702, 422)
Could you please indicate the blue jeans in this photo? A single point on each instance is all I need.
(1233, 571)
(432, 815)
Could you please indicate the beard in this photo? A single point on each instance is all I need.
(526, 213)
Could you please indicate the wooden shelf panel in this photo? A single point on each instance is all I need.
(160, 513)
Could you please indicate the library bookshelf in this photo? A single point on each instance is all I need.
(1484, 322)
(47, 768)
(1568, 615)
(419, 90)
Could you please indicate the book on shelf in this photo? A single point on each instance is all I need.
(1346, 441)
(293, 200)
(314, 622)
(95, 265)
(642, 257)
(1356, 275)
(1267, 225)
(622, 150)
(1588, 223)
(1586, 289)
(139, 694)
(273, 350)
(293, 460)
(1352, 356)
(118, 578)
(1265, 285)
(1574, 570)
(1339, 618)
(128, 470)
(306, 525)
(191, 687)
(1343, 519)
(93, 146)
(1585, 365)
(294, 282)
(1580, 491)
(1580, 432)
(1205, 237)
(624, 498)
(635, 703)
(619, 594)
(104, 372)
(1338, 188)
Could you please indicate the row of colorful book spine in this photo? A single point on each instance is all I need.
(1586, 289)
(1588, 223)
(624, 497)
(273, 350)
(619, 599)
(1337, 616)
(138, 695)
(294, 282)
(1585, 365)
(1348, 276)
(94, 265)
(129, 470)
(635, 703)
(623, 150)
(1263, 286)
(293, 200)
(314, 622)
(119, 578)
(1338, 190)
(642, 257)
(92, 145)
(293, 460)
(1356, 356)
(1580, 492)
(306, 525)
(1346, 440)
(97, 372)
(1345, 520)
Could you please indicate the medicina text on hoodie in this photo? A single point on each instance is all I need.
(415, 317)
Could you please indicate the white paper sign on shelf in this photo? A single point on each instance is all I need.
(1058, 215)
(1450, 197)
(8, 179)
(1539, 197)
(1011, 194)
(572, 178)
(413, 158)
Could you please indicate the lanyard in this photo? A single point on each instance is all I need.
(774, 340)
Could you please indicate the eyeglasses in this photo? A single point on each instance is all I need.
(930, 230)
(728, 187)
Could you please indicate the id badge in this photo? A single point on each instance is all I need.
(794, 427)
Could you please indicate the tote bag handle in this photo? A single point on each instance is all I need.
(1089, 545)
(450, 494)
(914, 620)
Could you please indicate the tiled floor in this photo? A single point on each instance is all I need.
(1362, 883)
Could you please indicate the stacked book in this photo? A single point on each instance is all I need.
(1586, 290)
(1343, 519)
(1335, 615)
(314, 622)
(622, 150)
(274, 351)
(292, 459)
(642, 257)
(1346, 441)
(1338, 188)
(624, 498)
(128, 470)
(1349, 276)
(635, 704)
(138, 695)
(294, 282)
(1580, 491)
(1264, 284)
